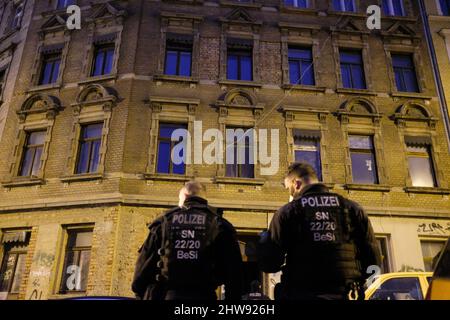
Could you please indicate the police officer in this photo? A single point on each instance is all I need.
(322, 242)
(189, 252)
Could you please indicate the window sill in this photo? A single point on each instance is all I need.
(44, 87)
(303, 87)
(247, 181)
(428, 190)
(163, 77)
(368, 187)
(356, 91)
(60, 296)
(231, 3)
(240, 83)
(398, 18)
(98, 79)
(439, 18)
(346, 13)
(23, 182)
(167, 177)
(415, 95)
(292, 9)
(82, 177)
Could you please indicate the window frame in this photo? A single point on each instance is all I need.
(239, 53)
(16, 19)
(412, 68)
(179, 50)
(297, 147)
(104, 48)
(238, 168)
(294, 5)
(178, 125)
(300, 61)
(57, 2)
(351, 64)
(440, 9)
(387, 258)
(364, 151)
(65, 250)
(342, 7)
(430, 158)
(429, 240)
(91, 141)
(26, 147)
(391, 10)
(46, 58)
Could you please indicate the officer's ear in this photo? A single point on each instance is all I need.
(298, 184)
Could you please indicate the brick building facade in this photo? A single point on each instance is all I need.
(82, 165)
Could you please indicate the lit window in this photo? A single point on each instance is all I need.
(307, 150)
(239, 64)
(301, 68)
(393, 7)
(405, 73)
(178, 59)
(165, 146)
(383, 246)
(297, 3)
(76, 261)
(430, 249)
(50, 68)
(103, 60)
(32, 153)
(240, 161)
(420, 165)
(362, 153)
(89, 148)
(344, 5)
(352, 70)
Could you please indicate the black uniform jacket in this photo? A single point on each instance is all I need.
(278, 249)
(227, 264)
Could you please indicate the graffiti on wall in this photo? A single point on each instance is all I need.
(434, 228)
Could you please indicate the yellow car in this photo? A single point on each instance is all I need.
(440, 284)
(399, 286)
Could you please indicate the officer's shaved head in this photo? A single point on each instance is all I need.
(191, 189)
(299, 175)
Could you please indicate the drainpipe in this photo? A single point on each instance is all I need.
(437, 75)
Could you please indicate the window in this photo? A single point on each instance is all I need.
(178, 59)
(383, 246)
(297, 3)
(445, 7)
(362, 154)
(352, 70)
(12, 268)
(430, 249)
(64, 3)
(50, 68)
(344, 5)
(301, 68)
(239, 159)
(89, 148)
(405, 73)
(76, 260)
(17, 15)
(399, 289)
(307, 150)
(2, 80)
(239, 64)
(32, 152)
(420, 165)
(103, 60)
(393, 8)
(165, 162)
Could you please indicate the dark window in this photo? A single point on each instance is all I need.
(103, 60)
(430, 249)
(240, 161)
(64, 3)
(420, 165)
(308, 150)
(89, 148)
(383, 246)
(17, 15)
(364, 167)
(297, 3)
(239, 64)
(442, 268)
(344, 5)
(178, 59)
(50, 68)
(2, 80)
(32, 152)
(301, 68)
(399, 289)
(352, 70)
(405, 73)
(12, 268)
(445, 7)
(76, 261)
(165, 146)
(393, 7)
